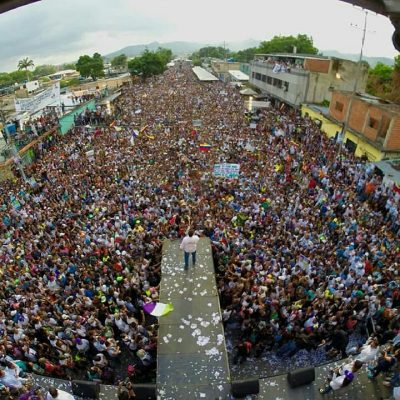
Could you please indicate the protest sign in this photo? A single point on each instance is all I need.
(226, 170)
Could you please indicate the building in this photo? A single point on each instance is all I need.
(66, 73)
(371, 119)
(373, 127)
(297, 78)
(221, 68)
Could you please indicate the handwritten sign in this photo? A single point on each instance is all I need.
(226, 170)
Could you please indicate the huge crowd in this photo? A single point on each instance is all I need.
(305, 240)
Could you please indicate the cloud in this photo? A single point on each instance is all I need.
(60, 30)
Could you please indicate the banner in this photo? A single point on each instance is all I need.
(226, 170)
(49, 97)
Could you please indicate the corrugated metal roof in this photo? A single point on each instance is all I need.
(238, 75)
(203, 74)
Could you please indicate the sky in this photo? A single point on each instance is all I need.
(58, 31)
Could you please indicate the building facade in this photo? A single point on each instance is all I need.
(373, 127)
(372, 119)
(295, 79)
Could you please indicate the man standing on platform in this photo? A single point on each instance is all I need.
(189, 246)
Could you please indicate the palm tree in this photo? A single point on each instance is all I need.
(25, 63)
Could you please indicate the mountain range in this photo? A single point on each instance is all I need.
(182, 48)
(372, 61)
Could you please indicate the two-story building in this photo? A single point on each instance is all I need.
(371, 120)
(297, 78)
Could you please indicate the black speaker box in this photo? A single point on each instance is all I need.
(302, 376)
(240, 389)
(86, 389)
(145, 391)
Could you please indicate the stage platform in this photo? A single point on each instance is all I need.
(192, 362)
(362, 388)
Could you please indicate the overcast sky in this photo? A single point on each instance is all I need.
(57, 31)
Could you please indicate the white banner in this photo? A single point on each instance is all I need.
(50, 97)
(226, 170)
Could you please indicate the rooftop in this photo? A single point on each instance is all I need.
(368, 98)
(295, 55)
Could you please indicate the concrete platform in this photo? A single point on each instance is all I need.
(192, 361)
(362, 388)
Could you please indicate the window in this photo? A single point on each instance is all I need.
(264, 78)
(286, 86)
(373, 123)
(383, 129)
(253, 75)
(277, 82)
(339, 106)
(269, 80)
(258, 76)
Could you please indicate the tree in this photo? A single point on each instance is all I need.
(245, 55)
(43, 70)
(119, 62)
(211, 52)
(68, 66)
(165, 54)
(20, 76)
(285, 44)
(25, 64)
(148, 64)
(91, 66)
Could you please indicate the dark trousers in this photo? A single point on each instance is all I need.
(187, 256)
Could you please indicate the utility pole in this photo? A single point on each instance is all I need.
(353, 93)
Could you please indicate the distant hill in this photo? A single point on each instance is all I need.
(372, 61)
(180, 48)
(177, 48)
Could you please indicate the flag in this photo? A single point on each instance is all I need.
(135, 133)
(118, 128)
(205, 147)
(152, 137)
(396, 188)
(158, 309)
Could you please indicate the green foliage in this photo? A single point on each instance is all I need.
(44, 79)
(211, 52)
(91, 66)
(68, 66)
(384, 81)
(43, 70)
(25, 63)
(5, 79)
(382, 71)
(20, 76)
(150, 63)
(397, 63)
(119, 61)
(245, 55)
(165, 54)
(285, 44)
(69, 82)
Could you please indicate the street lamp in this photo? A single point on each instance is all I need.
(358, 73)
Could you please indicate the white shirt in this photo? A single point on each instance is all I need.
(189, 244)
(61, 396)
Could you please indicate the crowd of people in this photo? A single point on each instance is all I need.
(305, 240)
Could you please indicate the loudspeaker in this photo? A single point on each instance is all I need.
(240, 389)
(145, 391)
(301, 376)
(85, 389)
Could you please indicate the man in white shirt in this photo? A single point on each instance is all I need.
(189, 246)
